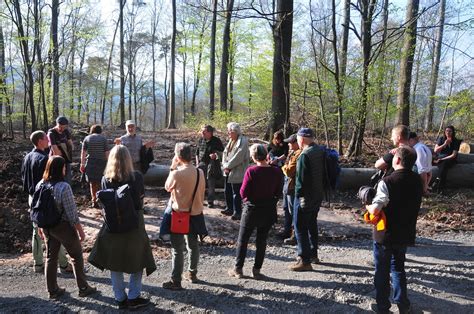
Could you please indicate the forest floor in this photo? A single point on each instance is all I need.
(440, 267)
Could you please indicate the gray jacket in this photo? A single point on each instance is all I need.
(236, 159)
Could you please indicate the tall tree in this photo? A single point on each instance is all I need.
(27, 61)
(122, 70)
(366, 9)
(435, 68)
(39, 58)
(406, 63)
(212, 59)
(54, 55)
(282, 33)
(172, 104)
(225, 56)
(197, 68)
(155, 18)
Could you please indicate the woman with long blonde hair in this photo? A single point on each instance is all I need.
(128, 252)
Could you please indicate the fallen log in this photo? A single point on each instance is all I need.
(466, 148)
(460, 175)
(465, 158)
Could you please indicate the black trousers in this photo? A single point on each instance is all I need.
(246, 230)
(443, 167)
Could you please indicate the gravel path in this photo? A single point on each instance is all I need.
(440, 273)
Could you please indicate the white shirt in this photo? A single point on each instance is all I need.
(424, 158)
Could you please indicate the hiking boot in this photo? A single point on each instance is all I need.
(235, 217)
(315, 260)
(191, 277)
(122, 304)
(56, 294)
(290, 241)
(227, 212)
(374, 308)
(300, 266)
(171, 285)
(137, 303)
(236, 272)
(66, 269)
(256, 274)
(39, 269)
(84, 292)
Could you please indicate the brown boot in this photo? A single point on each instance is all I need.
(300, 266)
(191, 277)
(236, 272)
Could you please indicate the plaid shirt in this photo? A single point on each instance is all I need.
(65, 201)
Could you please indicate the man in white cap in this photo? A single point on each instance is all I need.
(134, 143)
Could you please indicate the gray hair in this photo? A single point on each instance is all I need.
(234, 127)
(258, 152)
(183, 151)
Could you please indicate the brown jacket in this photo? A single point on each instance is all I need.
(289, 168)
(181, 183)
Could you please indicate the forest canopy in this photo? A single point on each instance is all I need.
(342, 67)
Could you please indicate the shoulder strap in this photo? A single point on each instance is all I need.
(195, 188)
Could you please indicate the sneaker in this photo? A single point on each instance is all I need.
(210, 204)
(84, 292)
(236, 272)
(300, 266)
(235, 217)
(56, 294)
(191, 277)
(171, 285)
(290, 241)
(122, 304)
(256, 274)
(39, 269)
(375, 309)
(66, 270)
(137, 303)
(227, 212)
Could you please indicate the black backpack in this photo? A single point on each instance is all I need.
(44, 211)
(118, 209)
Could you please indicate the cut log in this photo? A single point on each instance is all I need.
(460, 175)
(466, 148)
(465, 158)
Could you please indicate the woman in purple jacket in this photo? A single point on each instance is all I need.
(260, 191)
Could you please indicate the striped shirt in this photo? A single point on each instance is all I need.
(95, 145)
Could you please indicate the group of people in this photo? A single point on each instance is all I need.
(291, 167)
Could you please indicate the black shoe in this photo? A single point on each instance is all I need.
(138, 303)
(210, 204)
(227, 212)
(283, 235)
(235, 217)
(122, 304)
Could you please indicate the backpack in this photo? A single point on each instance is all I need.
(118, 209)
(332, 168)
(44, 211)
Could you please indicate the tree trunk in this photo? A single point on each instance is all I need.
(198, 71)
(3, 88)
(406, 63)
(55, 55)
(171, 123)
(367, 12)
(212, 60)
(343, 69)
(225, 56)
(435, 68)
(282, 33)
(122, 71)
(37, 48)
(28, 64)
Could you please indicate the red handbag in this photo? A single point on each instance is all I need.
(180, 221)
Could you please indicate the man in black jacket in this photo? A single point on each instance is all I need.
(32, 170)
(209, 150)
(399, 197)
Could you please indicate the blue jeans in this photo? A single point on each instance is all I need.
(119, 285)
(305, 222)
(390, 259)
(232, 197)
(288, 202)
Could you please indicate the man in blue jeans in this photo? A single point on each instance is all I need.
(399, 197)
(309, 192)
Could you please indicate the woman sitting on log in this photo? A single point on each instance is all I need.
(446, 148)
